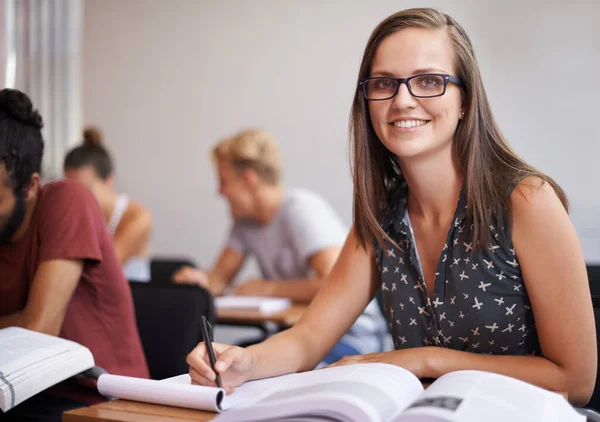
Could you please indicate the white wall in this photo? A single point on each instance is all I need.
(167, 79)
(2, 45)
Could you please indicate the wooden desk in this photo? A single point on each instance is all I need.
(283, 319)
(129, 411)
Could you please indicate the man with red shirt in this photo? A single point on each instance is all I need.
(59, 273)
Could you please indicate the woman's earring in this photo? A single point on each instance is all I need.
(462, 114)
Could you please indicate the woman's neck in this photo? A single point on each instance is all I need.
(434, 186)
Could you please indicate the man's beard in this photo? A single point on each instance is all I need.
(14, 220)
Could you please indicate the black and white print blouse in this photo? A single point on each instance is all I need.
(479, 303)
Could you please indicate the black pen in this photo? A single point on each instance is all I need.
(207, 335)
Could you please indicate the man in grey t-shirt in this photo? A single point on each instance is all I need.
(295, 236)
(304, 225)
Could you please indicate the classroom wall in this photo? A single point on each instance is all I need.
(167, 79)
(2, 46)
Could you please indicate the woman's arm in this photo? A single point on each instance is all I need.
(555, 276)
(433, 362)
(345, 293)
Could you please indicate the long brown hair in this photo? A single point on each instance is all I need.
(489, 164)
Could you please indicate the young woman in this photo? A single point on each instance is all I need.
(473, 249)
(128, 221)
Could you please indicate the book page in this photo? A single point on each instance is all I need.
(20, 348)
(482, 396)
(40, 376)
(31, 361)
(177, 391)
(362, 392)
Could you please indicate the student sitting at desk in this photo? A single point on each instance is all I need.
(59, 273)
(473, 250)
(128, 221)
(295, 235)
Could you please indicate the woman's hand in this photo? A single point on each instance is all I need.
(414, 360)
(234, 364)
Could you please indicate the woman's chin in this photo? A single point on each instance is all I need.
(405, 149)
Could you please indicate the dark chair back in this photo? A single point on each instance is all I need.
(162, 269)
(168, 320)
(594, 402)
(594, 280)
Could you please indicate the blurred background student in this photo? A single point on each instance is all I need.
(128, 221)
(295, 236)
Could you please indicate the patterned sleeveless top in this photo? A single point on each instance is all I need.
(479, 303)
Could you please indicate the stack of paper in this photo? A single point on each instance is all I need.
(31, 362)
(264, 305)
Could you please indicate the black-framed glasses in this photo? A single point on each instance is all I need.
(427, 85)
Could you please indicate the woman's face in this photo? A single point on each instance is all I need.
(415, 127)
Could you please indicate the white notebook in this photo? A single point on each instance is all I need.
(30, 362)
(373, 392)
(264, 305)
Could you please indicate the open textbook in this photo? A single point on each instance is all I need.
(364, 392)
(30, 362)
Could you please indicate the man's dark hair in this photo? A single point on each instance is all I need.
(21, 142)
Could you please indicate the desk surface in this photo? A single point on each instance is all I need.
(129, 411)
(285, 318)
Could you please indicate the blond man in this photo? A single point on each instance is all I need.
(295, 236)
